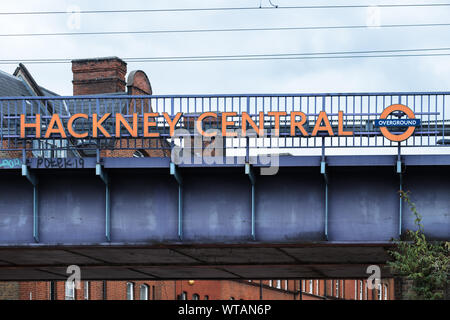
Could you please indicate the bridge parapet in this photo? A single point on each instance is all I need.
(85, 125)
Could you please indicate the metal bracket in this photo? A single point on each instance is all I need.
(29, 175)
(323, 171)
(399, 166)
(34, 181)
(251, 175)
(100, 171)
(176, 174)
(250, 172)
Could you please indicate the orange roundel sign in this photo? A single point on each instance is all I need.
(397, 137)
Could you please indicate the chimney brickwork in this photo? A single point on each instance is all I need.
(98, 76)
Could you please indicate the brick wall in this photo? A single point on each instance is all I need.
(138, 84)
(34, 291)
(13, 154)
(9, 154)
(9, 291)
(214, 290)
(100, 75)
(95, 290)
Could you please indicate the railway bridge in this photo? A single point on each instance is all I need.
(119, 210)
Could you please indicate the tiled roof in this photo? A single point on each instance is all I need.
(11, 86)
(48, 93)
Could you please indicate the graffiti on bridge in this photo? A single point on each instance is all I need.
(60, 163)
(10, 163)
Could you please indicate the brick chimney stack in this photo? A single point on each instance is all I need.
(98, 76)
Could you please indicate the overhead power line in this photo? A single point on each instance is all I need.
(253, 55)
(221, 30)
(223, 9)
(276, 56)
(254, 59)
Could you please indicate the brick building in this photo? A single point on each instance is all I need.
(107, 76)
(335, 289)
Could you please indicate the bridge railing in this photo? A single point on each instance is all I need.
(360, 110)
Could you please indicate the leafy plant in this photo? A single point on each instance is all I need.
(426, 263)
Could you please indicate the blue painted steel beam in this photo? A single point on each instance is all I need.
(362, 206)
(284, 161)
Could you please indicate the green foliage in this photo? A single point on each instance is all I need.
(426, 263)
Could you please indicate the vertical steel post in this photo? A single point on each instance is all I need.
(247, 139)
(108, 213)
(36, 212)
(105, 290)
(52, 293)
(326, 210)
(301, 289)
(399, 171)
(251, 176)
(99, 171)
(34, 181)
(260, 290)
(323, 171)
(175, 173)
(180, 211)
(253, 213)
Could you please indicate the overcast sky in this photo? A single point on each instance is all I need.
(268, 76)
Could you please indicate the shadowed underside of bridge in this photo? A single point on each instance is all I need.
(290, 230)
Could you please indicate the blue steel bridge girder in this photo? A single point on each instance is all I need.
(144, 207)
(218, 198)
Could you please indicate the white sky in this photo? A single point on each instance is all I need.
(289, 76)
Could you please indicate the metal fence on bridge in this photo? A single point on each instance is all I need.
(360, 112)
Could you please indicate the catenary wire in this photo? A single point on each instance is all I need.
(143, 60)
(225, 9)
(244, 55)
(222, 30)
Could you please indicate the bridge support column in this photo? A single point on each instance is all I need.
(34, 181)
(100, 171)
(174, 172)
(251, 175)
